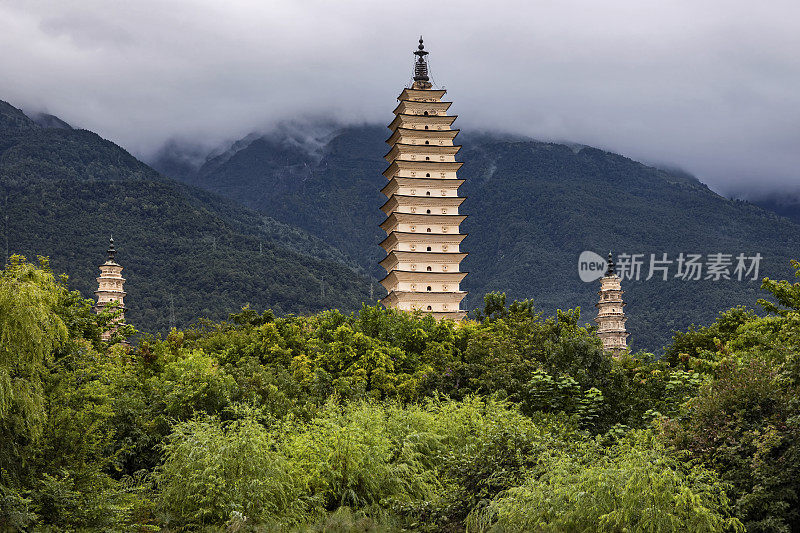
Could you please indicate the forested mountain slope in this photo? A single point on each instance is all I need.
(787, 205)
(187, 253)
(533, 208)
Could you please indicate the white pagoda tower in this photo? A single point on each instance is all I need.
(110, 287)
(422, 211)
(610, 315)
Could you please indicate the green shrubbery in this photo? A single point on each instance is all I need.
(633, 485)
(380, 421)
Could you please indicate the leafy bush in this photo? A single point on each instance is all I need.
(213, 470)
(635, 485)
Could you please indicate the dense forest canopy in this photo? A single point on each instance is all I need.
(382, 421)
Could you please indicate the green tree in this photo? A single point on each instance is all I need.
(745, 426)
(744, 420)
(30, 332)
(785, 292)
(215, 471)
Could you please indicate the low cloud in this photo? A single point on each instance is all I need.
(711, 87)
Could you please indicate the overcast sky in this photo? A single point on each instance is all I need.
(712, 86)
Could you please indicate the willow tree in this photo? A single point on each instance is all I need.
(30, 331)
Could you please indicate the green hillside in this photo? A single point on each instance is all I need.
(786, 205)
(533, 208)
(333, 194)
(186, 252)
(549, 202)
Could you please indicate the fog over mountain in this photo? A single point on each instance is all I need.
(709, 87)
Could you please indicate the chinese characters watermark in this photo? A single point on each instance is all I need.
(683, 267)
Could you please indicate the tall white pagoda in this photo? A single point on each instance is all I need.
(423, 239)
(610, 315)
(110, 287)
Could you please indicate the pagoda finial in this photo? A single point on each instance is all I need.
(421, 64)
(610, 271)
(111, 250)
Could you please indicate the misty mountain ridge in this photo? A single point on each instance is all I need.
(46, 120)
(306, 141)
(186, 157)
(784, 204)
(187, 253)
(13, 118)
(532, 207)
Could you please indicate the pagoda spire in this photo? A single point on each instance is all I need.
(110, 288)
(111, 251)
(610, 315)
(611, 266)
(423, 239)
(421, 65)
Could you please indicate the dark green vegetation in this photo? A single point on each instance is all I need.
(186, 253)
(787, 205)
(384, 421)
(533, 208)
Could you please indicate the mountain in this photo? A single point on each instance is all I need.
(326, 187)
(548, 202)
(533, 208)
(785, 205)
(12, 118)
(179, 159)
(49, 121)
(187, 253)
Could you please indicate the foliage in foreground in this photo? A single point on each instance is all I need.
(380, 421)
(394, 463)
(632, 485)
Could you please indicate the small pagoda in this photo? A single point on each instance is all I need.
(610, 315)
(110, 287)
(423, 254)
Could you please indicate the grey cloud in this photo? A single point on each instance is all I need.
(711, 86)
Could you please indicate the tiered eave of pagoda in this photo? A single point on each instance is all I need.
(404, 238)
(403, 203)
(428, 168)
(420, 136)
(409, 152)
(416, 122)
(398, 183)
